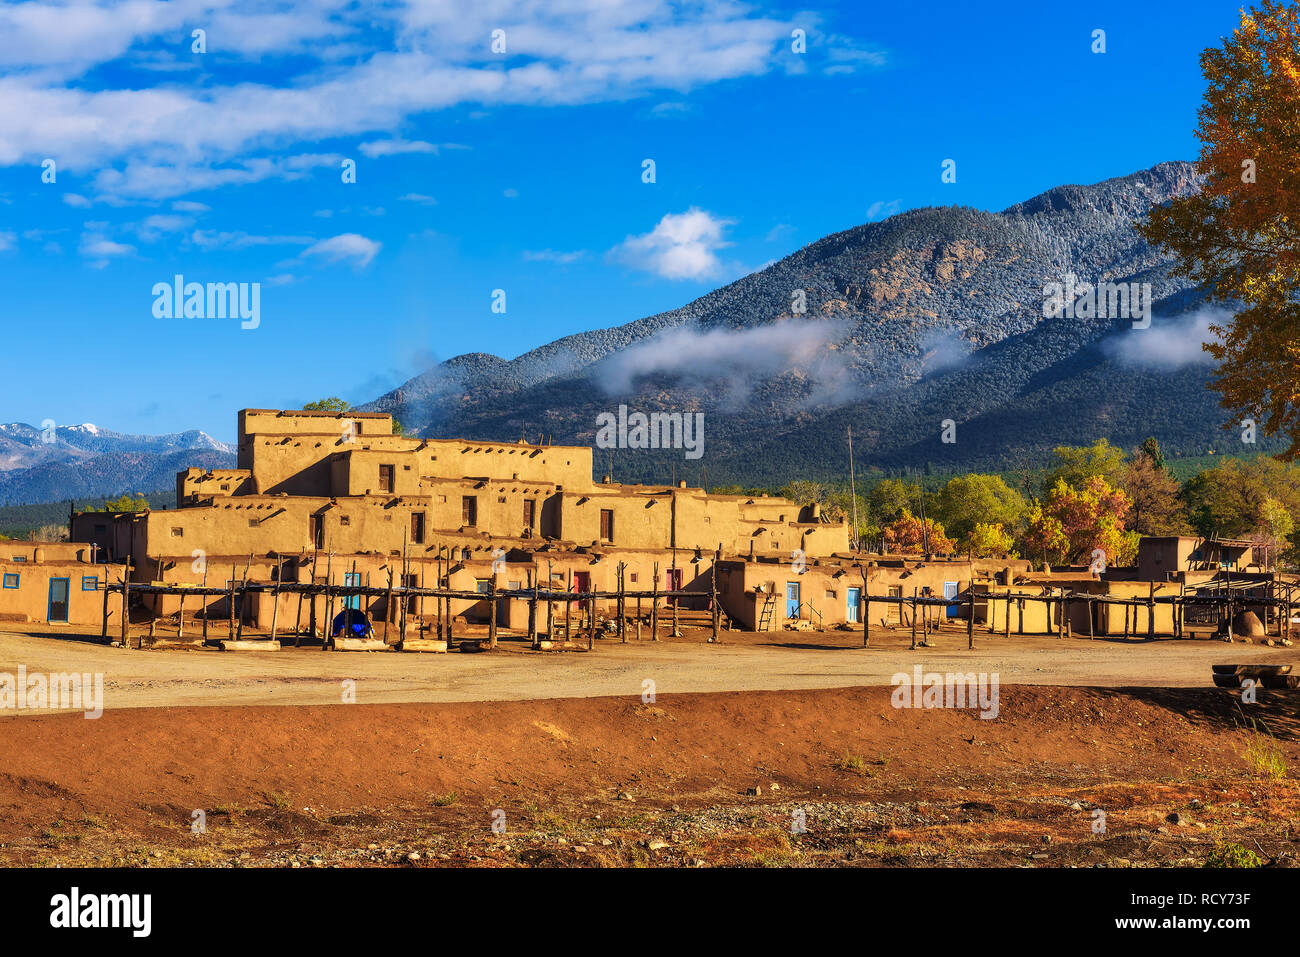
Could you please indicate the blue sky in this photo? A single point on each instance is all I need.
(520, 171)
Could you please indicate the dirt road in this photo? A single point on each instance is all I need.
(302, 676)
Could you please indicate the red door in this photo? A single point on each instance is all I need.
(673, 581)
(582, 582)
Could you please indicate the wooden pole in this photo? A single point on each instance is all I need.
(492, 612)
(103, 631)
(970, 617)
(638, 616)
(913, 648)
(230, 617)
(1006, 625)
(713, 595)
(1151, 612)
(275, 600)
(205, 600)
(243, 599)
(388, 604)
(568, 607)
(866, 611)
(532, 613)
(126, 606)
(654, 606)
(622, 620)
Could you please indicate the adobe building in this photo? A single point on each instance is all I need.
(338, 496)
(53, 583)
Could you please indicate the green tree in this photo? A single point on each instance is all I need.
(1157, 504)
(1077, 465)
(331, 404)
(970, 500)
(124, 503)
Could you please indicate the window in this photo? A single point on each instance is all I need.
(607, 524)
(20, 559)
(501, 500)
(254, 522)
(633, 574)
(482, 585)
(11, 580)
(316, 529)
(514, 586)
(386, 473)
(177, 532)
(101, 529)
(90, 583)
(469, 510)
(530, 512)
(417, 528)
(345, 519)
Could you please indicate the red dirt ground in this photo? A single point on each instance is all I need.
(593, 780)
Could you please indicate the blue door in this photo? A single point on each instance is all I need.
(792, 599)
(950, 591)
(352, 601)
(855, 597)
(58, 607)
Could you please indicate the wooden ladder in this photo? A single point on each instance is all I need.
(765, 616)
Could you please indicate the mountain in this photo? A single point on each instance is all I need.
(932, 315)
(84, 461)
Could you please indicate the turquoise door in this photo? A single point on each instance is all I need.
(353, 579)
(792, 599)
(58, 607)
(950, 591)
(855, 597)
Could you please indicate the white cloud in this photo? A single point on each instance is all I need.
(419, 198)
(8, 240)
(681, 246)
(76, 201)
(346, 246)
(1168, 343)
(207, 239)
(554, 256)
(418, 57)
(187, 206)
(99, 249)
(883, 209)
(396, 147)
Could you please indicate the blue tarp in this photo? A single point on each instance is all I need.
(360, 624)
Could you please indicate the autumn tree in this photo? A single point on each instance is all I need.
(987, 540)
(1157, 507)
(1239, 237)
(909, 535)
(1070, 523)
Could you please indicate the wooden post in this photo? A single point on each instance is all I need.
(1066, 612)
(1151, 612)
(638, 616)
(676, 586)
(713, 595)
(103, 631)
(654, 606)
(913, 648)
(568, 607)
(532, 613)
(622, 618)
(388, 604)
(866, 612)
(230, 628)
(243, 599)
(1020, 608)
(492, 612)
(275, 598)
(1006, 625)
(1092, 609)
(1126, 606)
(204, 603)
(126, 604)
(180, 619)
(970, 617)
